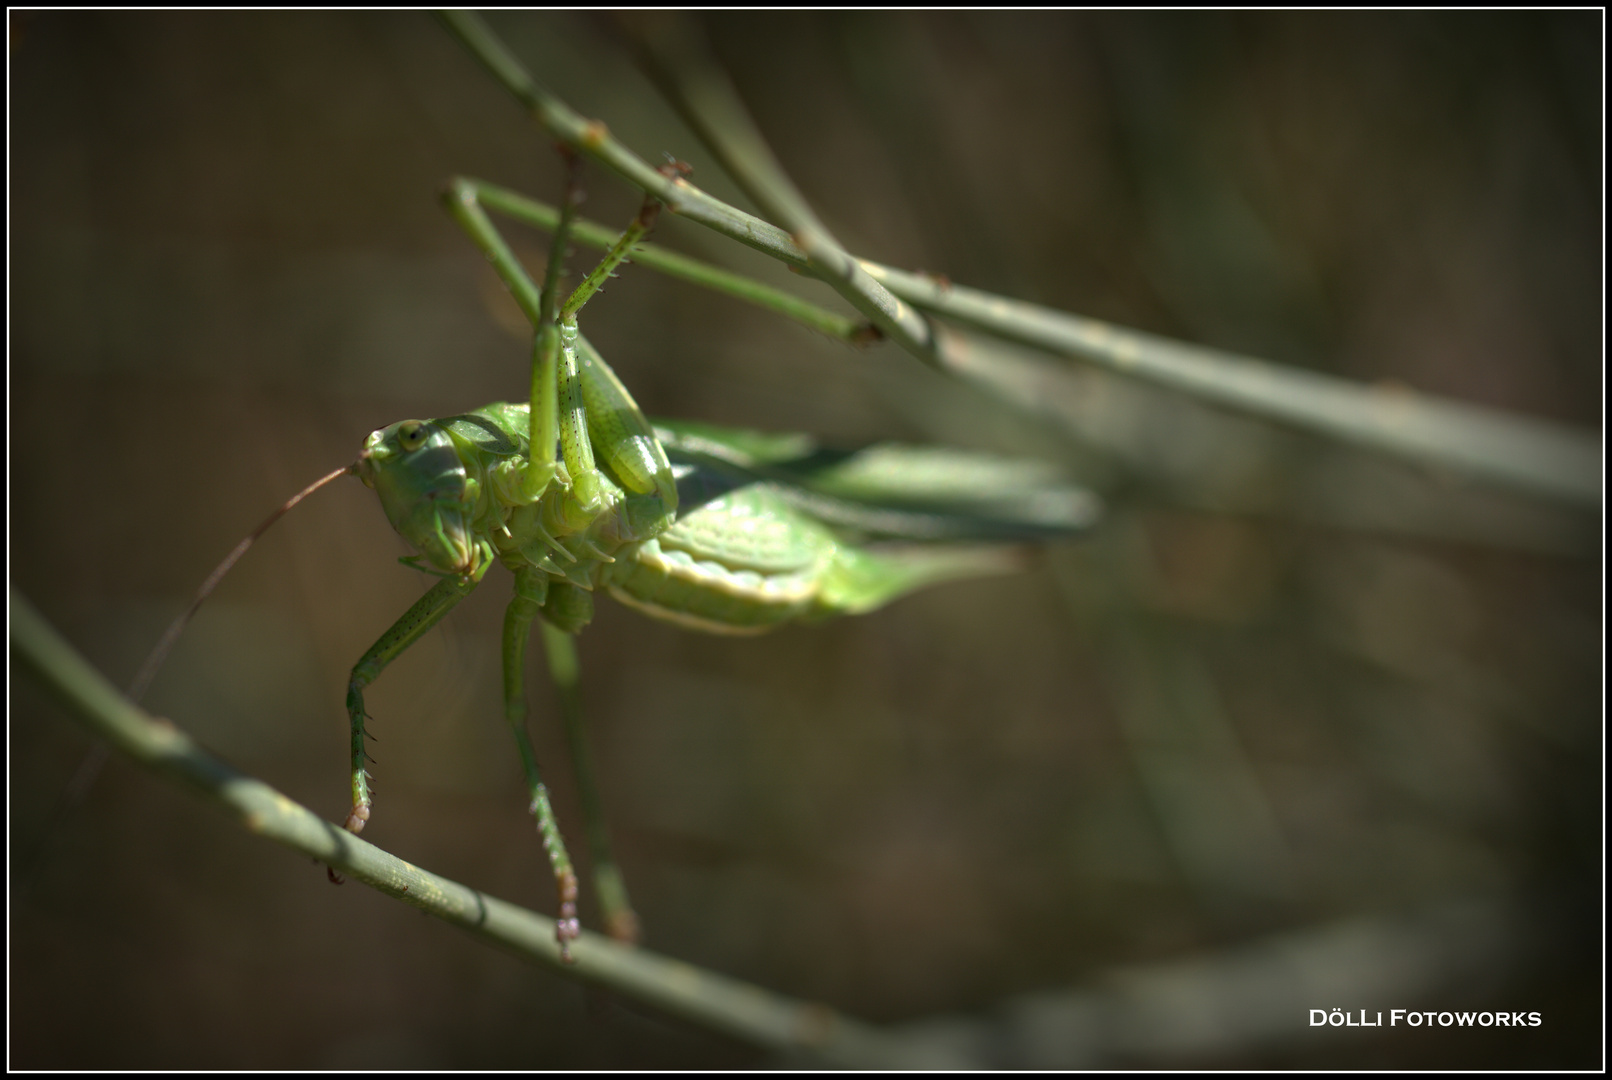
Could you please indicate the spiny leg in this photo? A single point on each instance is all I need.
(566, 397)
(575, 403)
(637, 457)
(531, 587)
(426, 613)
(620, 921)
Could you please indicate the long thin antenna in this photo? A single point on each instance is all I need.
(148, 670)
(89, 769)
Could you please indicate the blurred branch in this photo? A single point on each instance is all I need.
(592, 139)
(1189, 450)
(1180, 450)
(713, 1001)
(1528, 455)
(1121, 424)
(1534, 456)
(1241, 999)
(678, 59)
(673, 264)
(1253, 997)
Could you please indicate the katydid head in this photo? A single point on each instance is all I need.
(426, 493)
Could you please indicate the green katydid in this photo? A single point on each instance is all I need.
(714, 529)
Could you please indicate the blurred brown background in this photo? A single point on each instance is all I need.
(1286, 685)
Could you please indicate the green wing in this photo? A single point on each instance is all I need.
(773, 529)
(884, 492)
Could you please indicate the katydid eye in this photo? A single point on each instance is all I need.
(411, 435)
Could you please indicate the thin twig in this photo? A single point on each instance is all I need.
(592, 139)
(671, 263)
(1535, 456)
(714, 1001)
(1525, 454)
(677, 58)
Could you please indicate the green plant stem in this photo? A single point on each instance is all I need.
(1534, 456)
(592, 138)
(677, 58)
(714, 1001)
(543, 216)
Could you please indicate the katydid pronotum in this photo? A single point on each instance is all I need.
(715, 529)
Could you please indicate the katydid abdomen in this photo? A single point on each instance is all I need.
(741, 557)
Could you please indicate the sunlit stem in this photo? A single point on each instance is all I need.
(462, 202)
